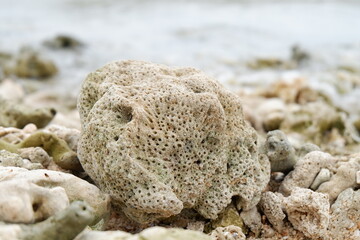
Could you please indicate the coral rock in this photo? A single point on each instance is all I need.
(18, 115)
(64, 225)
(75, 188)
(8, 159)
(306, 170)
(345, 177)
(29, 64)
(252, 220)
(24, 202)
(228, 233)
(308, 212)
(161, 139)
(345, 215)
(323, 176)
(280, 152)
(153, 233)
(272, 204)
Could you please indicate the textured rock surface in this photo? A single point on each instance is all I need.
(36, 155)
(64, 225)
(22, 201)
(18, 115)
(229, 217)
(345, 216)
(75, 188)
(312, 120)
(29, 64)
(8, 159)
(227, 233)
(252, 220)
(154, 233)
(345, 177)
(272, 204)
(323, 176)
(306, 170)
(279, 151)
(161, 139)
(308, 212)
(54, 146)
(69, 135)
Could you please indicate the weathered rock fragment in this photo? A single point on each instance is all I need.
(161, 139)
(308, 212)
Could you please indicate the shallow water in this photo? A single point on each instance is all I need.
(215, 36)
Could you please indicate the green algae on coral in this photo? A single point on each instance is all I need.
(65, 225)
(54, 146)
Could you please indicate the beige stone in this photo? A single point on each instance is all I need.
(345, 177)
(306, 170)
(308, 212)
(22, 201)
(161, 139)
(75, 188)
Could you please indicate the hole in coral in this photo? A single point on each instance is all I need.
(53, 111)
(36, 206)
(124, 113)
(116, 138)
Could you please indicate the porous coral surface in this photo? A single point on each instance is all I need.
(161, 139)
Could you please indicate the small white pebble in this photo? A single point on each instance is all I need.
(358, 177)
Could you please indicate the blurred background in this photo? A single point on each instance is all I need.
(245, 44)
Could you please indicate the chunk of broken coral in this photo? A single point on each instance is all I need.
(153, 233)
(13, 114)
(54, 146)
(345, 177)
(345, 215)
(74, 187)
(308, 212)
(228, 233)
(64, 225)
(30, 64)
(161, 139)
(306, 170)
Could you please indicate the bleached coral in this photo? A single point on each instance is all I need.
(161, 139)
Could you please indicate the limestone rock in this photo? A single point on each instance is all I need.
(22, 201)
(229, 217)
(312, 120)
(280, 152)
(153, 233)
(69, 135)
(323, 176)
(160, 139)
(8, 159)
(36, 155)
(54, 146)
(228, 233)
(15, 135)
(308, 212)
(252, 220)
(306, 169)
(306, 148)
(345, 215)
(345, 177)
(75, 188)
(64, 225)
(13, 114)
(30, 64)
(272, 206)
